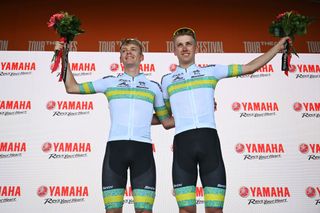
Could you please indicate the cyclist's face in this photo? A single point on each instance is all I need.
(130, 54)
(185, 50)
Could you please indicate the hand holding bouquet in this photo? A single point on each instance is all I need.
(289, 24)
(67, 26)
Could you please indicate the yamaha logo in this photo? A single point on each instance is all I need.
(240, 148)
(42, 191)
(51, 105)
(311, 192)
(303, 148)
(46, 147)
(297, 106)
(114, 67)
(173, 67)
(244, 192)
(236, 106)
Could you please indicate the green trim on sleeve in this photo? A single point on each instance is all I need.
(234, 70)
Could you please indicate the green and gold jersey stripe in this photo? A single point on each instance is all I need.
(205, 82)
(162, 112)
(130, 93)
(234, 70)
(87, 88)
(168, 105)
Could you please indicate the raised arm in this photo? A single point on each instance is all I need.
(263, 59)
(70, 83)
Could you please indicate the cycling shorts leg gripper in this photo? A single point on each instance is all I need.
(186, 196)
(113, 198)
(143, 199)
(214, 197)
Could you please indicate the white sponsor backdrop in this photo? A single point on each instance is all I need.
(35, 178)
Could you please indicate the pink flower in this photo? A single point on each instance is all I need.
(280, 16)
(54, 18)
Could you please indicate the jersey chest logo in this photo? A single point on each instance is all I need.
(196, 74)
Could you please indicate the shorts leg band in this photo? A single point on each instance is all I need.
(186, 196)
(143, 199)
(113, 198)
(214, 197)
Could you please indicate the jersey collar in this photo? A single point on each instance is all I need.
(139, 76)
(188, 69)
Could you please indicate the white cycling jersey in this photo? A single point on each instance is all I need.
(189, 93)
(131, 104)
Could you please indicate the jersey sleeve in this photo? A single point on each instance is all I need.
(159, 105)
(97, 86)
(164, 87)
(225, 71)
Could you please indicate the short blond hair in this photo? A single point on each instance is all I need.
(134, 41)
(184, 31)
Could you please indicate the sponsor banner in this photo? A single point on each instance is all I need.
(82, 68)
(17, 68)
(313, 46)
(146, 68)
(260, 151)
(265, 195)
(202, 46)
(311, 151)
(266, 143)
(114, 46)
(67, 108)
(307, 110)
(257, 46)
(264, 72)
(304, 71)
(65, 194)
(34, 45)
(313, 192)
(15, 107)
(9, 194)
(12, 149)
(257, 109)
(66, 150)
(128, 196)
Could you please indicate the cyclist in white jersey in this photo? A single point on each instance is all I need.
(132, 99)
(189, 96)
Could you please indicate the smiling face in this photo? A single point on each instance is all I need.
(131, 53)
(185, 50)
(185, 46)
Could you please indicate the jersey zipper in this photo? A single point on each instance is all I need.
(131, 114)
(193, 104)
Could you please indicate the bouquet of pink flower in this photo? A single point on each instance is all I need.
(67, 26)
(289, 24)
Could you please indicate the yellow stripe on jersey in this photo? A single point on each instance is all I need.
(205, 82)
(86, 88)
(119, 93)
(234, 70)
